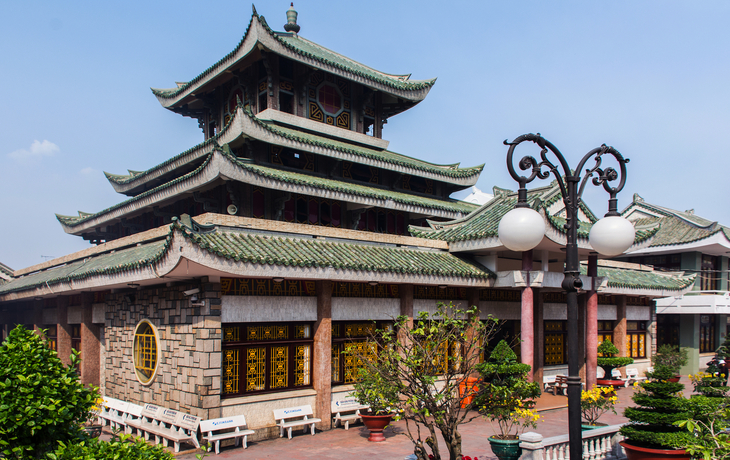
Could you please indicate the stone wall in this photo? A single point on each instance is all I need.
(189, 369)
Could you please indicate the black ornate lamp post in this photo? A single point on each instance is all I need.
(522, 229)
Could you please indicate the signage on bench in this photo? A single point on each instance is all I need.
(347, 402)
(188, 421)
(294, 411)
(168, 416)
(150, 410)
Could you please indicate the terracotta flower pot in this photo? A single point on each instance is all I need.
(641, 453)
(376, 424)
(613, 383)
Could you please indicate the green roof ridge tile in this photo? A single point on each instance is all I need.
(638, 279)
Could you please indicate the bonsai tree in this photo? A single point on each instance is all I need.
(671, 356)
(508, 398)
(659, 405)
(424, 364)
(608, 361)
(371, 390)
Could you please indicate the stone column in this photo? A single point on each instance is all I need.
(473, 300)
(322, 354)
(63, 341)
(582, 301)
(527, 325)
(619, 330)
(592, 324)
(90, 342)
(539, 334)
(406, 302)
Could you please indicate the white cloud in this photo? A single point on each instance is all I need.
(37, 149)
(88, 171)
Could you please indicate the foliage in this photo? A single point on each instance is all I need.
(660, 405)
(122, 446)
(607, 360)
(41, 400)
(671, 356)
(710, 439)
(596, 402)
(508, 398)
(710, 384)
(372, 390)
(424, 363)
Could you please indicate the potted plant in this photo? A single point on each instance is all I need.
(608, 362)
(91, 425)
(671, 356)
(594, 403)
(651, 430)
(372, 390)
(508, 399)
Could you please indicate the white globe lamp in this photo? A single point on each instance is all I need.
(521, 229)
(612, 235)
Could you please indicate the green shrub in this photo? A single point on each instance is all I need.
(660, 405)
(41, 400)
(608, 361)
(671, 356)
(123, 447)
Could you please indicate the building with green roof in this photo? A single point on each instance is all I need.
(230, 278)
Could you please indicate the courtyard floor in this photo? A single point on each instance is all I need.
(353, 444)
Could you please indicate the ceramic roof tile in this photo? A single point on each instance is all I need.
(293, 178)
(310, 252)
(307, 50)
(638, 279)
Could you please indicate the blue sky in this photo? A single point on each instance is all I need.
(648, 77)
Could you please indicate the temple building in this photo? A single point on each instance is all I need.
(235, 273)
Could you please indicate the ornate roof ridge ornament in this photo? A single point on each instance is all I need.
(291, 20)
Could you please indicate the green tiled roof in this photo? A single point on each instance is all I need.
(386, 156)
(105, 264)
(637, 279)
(307, 50)
(5, 270)
(675, 227)
(308, 252)
(293, 178)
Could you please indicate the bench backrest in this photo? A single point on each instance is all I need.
(134, 410)
(168, 416)
(561, 379)
(345, 405)
(548, 379)
(187, 421)
(292, 412)
(216, 424)
(616, 373)
(632, 372)
(151, 411)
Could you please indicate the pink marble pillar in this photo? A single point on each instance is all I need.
(592, 324)
(322, 358)
(527, 323)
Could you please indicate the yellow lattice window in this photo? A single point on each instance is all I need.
(336, 353)
(231, 334)
(301, 365)
(255, 369)
(145, 352)
(230, 371)
(279, 367)
(301, 332)
(359, 329)
(355, 352)
(554, 342)
(267, 332)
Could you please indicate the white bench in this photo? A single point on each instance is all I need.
(341, 410)
(632, 375)
(548, 383)
(216, 430)
(168, 425)
(134, 414)
(616, 375)
(113, 412)
(284, 418)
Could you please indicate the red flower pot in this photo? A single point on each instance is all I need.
(641, 453)
(376, 424)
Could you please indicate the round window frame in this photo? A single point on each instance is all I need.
(339, 93)
(157, 350)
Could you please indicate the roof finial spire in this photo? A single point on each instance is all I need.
(291, 20)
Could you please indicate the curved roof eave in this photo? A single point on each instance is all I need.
(259, 33)
(221, 164)
(245, 124)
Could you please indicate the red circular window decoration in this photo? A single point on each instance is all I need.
(329, 99)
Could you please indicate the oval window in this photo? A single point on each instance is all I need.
(145, 353)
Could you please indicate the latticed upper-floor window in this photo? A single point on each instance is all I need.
(265, 357)
(145, 351)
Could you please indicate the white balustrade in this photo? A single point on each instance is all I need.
(599, 444)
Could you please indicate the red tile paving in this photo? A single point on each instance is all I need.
(353, 444)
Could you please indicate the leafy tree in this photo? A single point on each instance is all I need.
(425, 365)
(608, 361)
(672, 356)
(41, 400)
